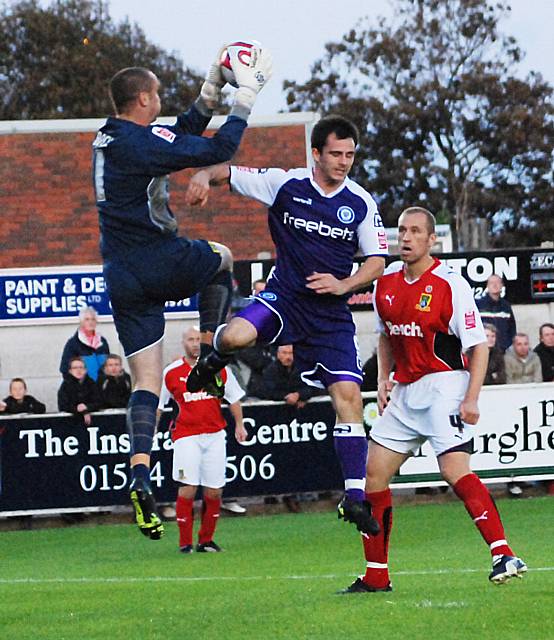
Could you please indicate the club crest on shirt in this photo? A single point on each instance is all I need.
(424, 302)
(345, 214)
(267, 295)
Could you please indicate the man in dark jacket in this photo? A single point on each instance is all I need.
(78, 393)
(545, 351)
(87, 344)
(281, 380)
(498, 311)
(114, 383)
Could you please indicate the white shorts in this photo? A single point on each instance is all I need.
(428, 409)
(200, 460)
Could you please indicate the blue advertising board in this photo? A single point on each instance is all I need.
(38, 295)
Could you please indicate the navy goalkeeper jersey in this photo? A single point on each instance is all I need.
(130, 167)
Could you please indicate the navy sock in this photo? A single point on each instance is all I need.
(214, 301)
(141, 420)
(205, 349)
(351, 451)
(141, 472)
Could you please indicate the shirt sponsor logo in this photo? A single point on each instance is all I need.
(411, 330)
(188, 396)
(322, 229)
(307, 201)
(469, 318)
(346, 215)
(424, 302)
(164, 134)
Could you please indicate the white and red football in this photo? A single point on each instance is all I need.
(244, 55)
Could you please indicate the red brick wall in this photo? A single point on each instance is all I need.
(47, 208)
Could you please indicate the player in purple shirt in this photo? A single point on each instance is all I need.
(318, 219)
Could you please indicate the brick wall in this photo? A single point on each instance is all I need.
(46, 197)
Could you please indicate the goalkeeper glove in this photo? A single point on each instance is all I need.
(210, 91)
(250, 77)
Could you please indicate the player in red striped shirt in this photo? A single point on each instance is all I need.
(432, 338)
(199, 451)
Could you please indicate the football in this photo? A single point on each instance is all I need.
(244, 55)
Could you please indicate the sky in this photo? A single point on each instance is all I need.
(297, 30)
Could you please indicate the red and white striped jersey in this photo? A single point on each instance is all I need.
(198, 412)
(429, 321)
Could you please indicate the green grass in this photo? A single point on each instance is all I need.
(277, 579)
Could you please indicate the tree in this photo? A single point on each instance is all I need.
(57, 61)
(444, 123)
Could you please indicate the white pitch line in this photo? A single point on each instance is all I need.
(329, 576)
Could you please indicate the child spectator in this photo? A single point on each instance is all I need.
(19, 402)
(78, 393)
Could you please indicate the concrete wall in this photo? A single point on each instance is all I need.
(33, 352)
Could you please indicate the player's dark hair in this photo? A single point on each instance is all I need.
(126, 85)
(431, 221)
(338, 125)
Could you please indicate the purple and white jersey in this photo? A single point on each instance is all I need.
(313, 231)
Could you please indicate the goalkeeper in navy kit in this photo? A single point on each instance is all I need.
(146, 263)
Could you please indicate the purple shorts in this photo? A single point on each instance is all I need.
(322, 332)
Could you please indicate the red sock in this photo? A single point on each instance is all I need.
(376, 548)
(210, 514)
(185, 518)
(480, 506)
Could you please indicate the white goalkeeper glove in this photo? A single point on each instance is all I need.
(251, 77)
(210, 91)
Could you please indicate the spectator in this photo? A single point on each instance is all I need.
(87, 344)
(281, 380)
(238, 301)
(19, 402)
(369, 371)
(253, 361)
(258, 286)
(498, 311)
(522, 364)
(496, 369)
(114, 383)
(78, 393)
(545, 351)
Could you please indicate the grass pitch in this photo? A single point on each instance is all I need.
(277, 579)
